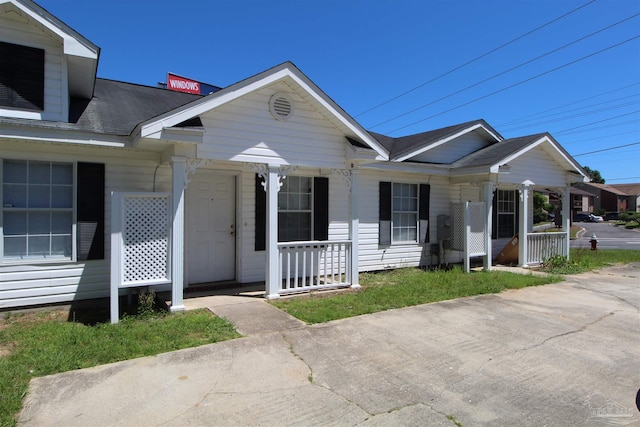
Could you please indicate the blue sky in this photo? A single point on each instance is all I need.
(519, 75)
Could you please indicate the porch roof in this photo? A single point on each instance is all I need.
(402, 148)
(489, 159)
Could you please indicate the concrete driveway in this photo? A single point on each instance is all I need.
(555, 355)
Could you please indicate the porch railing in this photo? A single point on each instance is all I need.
(306, 266)
(542, 246)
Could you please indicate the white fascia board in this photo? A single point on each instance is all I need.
(442, 141)
(472, 170)
(408, 167)
(63, 136)
(73, 43)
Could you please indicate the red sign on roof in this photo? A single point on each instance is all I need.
(181, 84)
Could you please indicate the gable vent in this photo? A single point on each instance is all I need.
(281, 106)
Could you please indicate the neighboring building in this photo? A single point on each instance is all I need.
(607, 197)
(632, 192)
(107, 185)
(582, 201)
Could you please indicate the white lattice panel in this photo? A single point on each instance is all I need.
(457, 226)
(477, 224)
(146, 230)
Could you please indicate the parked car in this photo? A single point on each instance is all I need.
(611, 216)
(595, 218)
(581, 217)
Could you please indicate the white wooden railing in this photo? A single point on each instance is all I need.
(306, 266)
(542, 246)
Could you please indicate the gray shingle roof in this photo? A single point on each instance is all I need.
(118, 107)
(115, 109)
(495, 153)
(406, 144)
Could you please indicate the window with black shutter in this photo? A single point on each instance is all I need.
(303, 210)
(21, 77)
(403, 213)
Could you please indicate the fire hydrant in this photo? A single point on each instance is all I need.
(594, 242)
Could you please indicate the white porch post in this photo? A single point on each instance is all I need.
(566, 217)
(487, 189)
(272, 186)
(178, 176)
(523, 217)
(354, 226)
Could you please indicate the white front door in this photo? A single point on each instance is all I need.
(211, 233)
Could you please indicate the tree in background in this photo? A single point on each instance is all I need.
(541, 208)
(594, 175)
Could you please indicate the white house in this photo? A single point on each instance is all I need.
(106, 184)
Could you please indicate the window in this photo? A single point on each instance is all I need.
(303, 210)
(294, 209)
(21, 77)
(37, 209)
(37, 216)
(505, 213)
(404, 213)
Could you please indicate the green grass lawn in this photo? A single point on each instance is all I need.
(44, 343)
(583, 260)
(402, 288)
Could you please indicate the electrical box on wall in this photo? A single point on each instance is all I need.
(444, 227)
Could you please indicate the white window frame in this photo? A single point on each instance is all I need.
(501, 213)
(394, 211)
(39, 260)
(309, 211)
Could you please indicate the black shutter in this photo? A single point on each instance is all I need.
(261, 216)
(494, 216)
(320, 208)
(423, 213)
(90, 211)
(384, 214)
(516, 222)
(21, 76)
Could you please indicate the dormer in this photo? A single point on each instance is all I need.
(43, 63)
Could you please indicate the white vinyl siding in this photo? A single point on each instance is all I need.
(13, 29)
(245, 131)
(538, 166)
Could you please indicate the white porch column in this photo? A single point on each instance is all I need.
(272, 186)
(487, 190)
(178, 176)
(354, 226)
(566, 217)
(523, 219)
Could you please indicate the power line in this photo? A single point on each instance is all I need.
(571, 103)
(600, 127)
(607, 149)
(583, 114)
(519, 83)
(475, 59)
(596, 122)
(622, 179)
(600, 137)
(505, 72)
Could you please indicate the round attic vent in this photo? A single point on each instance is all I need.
(281, 106)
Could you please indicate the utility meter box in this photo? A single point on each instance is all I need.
(444, 227)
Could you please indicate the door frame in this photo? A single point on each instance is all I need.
(238, 227)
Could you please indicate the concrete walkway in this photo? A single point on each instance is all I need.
(556, 355)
